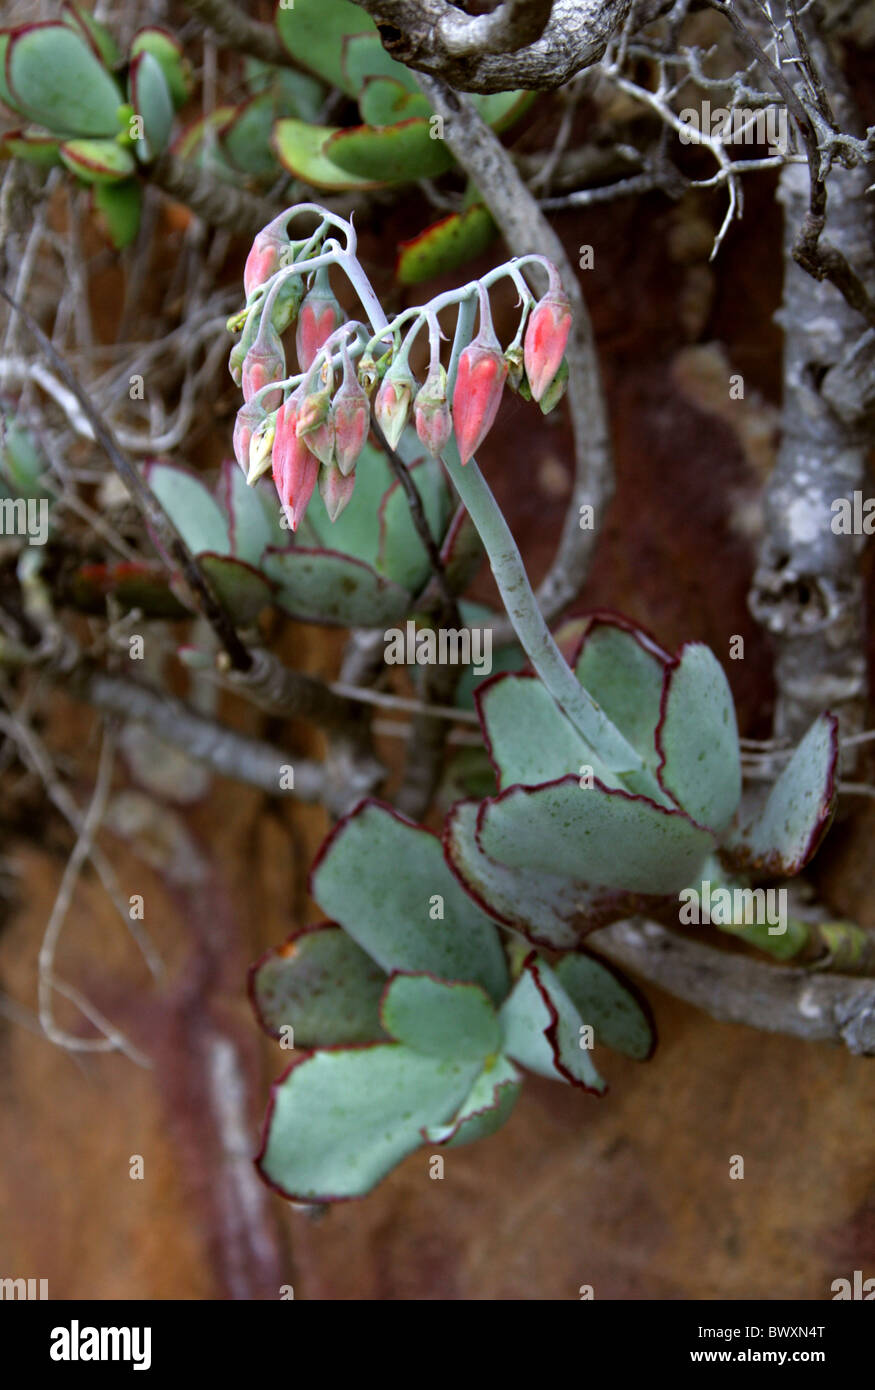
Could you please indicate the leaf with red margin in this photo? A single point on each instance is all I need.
(32, 143)
(321, 984)
(97, 161)
(528, 738)
(249, 525)
(697, 738)
(339, 1120)
(440, 1018)
(56, 80)
(623, 669)
(594, 834)
(377, 874)
(445, 245)
(191, 507)
(492, 1098)
(242, 590)
(391, 153)
(788, 829)
(150, 97)
(542, 1028)
(549, 909)
(323, 586)
(618, 1014)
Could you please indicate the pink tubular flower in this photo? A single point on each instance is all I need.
(249, 417)
(264, 259)
(352, 416)
(316, 425)
(264, 362)
(546, 336)
(479, 385)
(335, 489)
(431, 412)
(295, 469)
(319, 315)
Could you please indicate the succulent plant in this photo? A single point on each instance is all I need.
(88, 110)
(417, 1023)
(566, 846)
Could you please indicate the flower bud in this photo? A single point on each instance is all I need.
(284, 309)
(295, 470)
(368, 375)
(249, 417)
(480, 379)
(315, 425)
(265, 257)
(556, 389)
(546, 336)
(352, 416)
(320, 314)
(336, 489)
(264, 362)
(431, 412)
(515, 370)
(392, 405)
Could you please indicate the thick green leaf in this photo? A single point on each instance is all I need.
(295, 93)
(385, 100)
(242, 590)
(57, 81)
(602, 837)
(623, 670)
(542, 1028)
(385, 880)
(168, 53)
(528, 737)
(402, 556)
(364, 56)
(250, 529)
(300, 148)
(321, 586)
(190, 506)
(97, 34)
(119, 206)
(322, 985)
(247, 139)
(445, 245)
(314, 30)
(609, 1006)
(441, 1018)
(549, 909)
(697, 739)
(150, 97)
(487, 1107)
(787, 831)
(390, 153)
(340, 1121)
(34, 144)
(97, 161)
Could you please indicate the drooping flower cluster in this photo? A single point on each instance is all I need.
(310, 431)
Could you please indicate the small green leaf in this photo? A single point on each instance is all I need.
(57, 81)
(190, 506)
(593, 834)
(363, 56)
(241, 589)
(322, 985)
(249, 524)
(542, 1028)
(385, 100)
(151, 100)
(395, 916)
(390, 153)
(169, 55)
(300, 148)
(22, 463)
(340, 1121)
(97, 34)
(34, 144)
(786, 833)
(320, 586)
(445, 245)
(487, 1107)
(614, 1012)
(441, 1018)
(97, 161)
(697, 738)
(119, 206)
